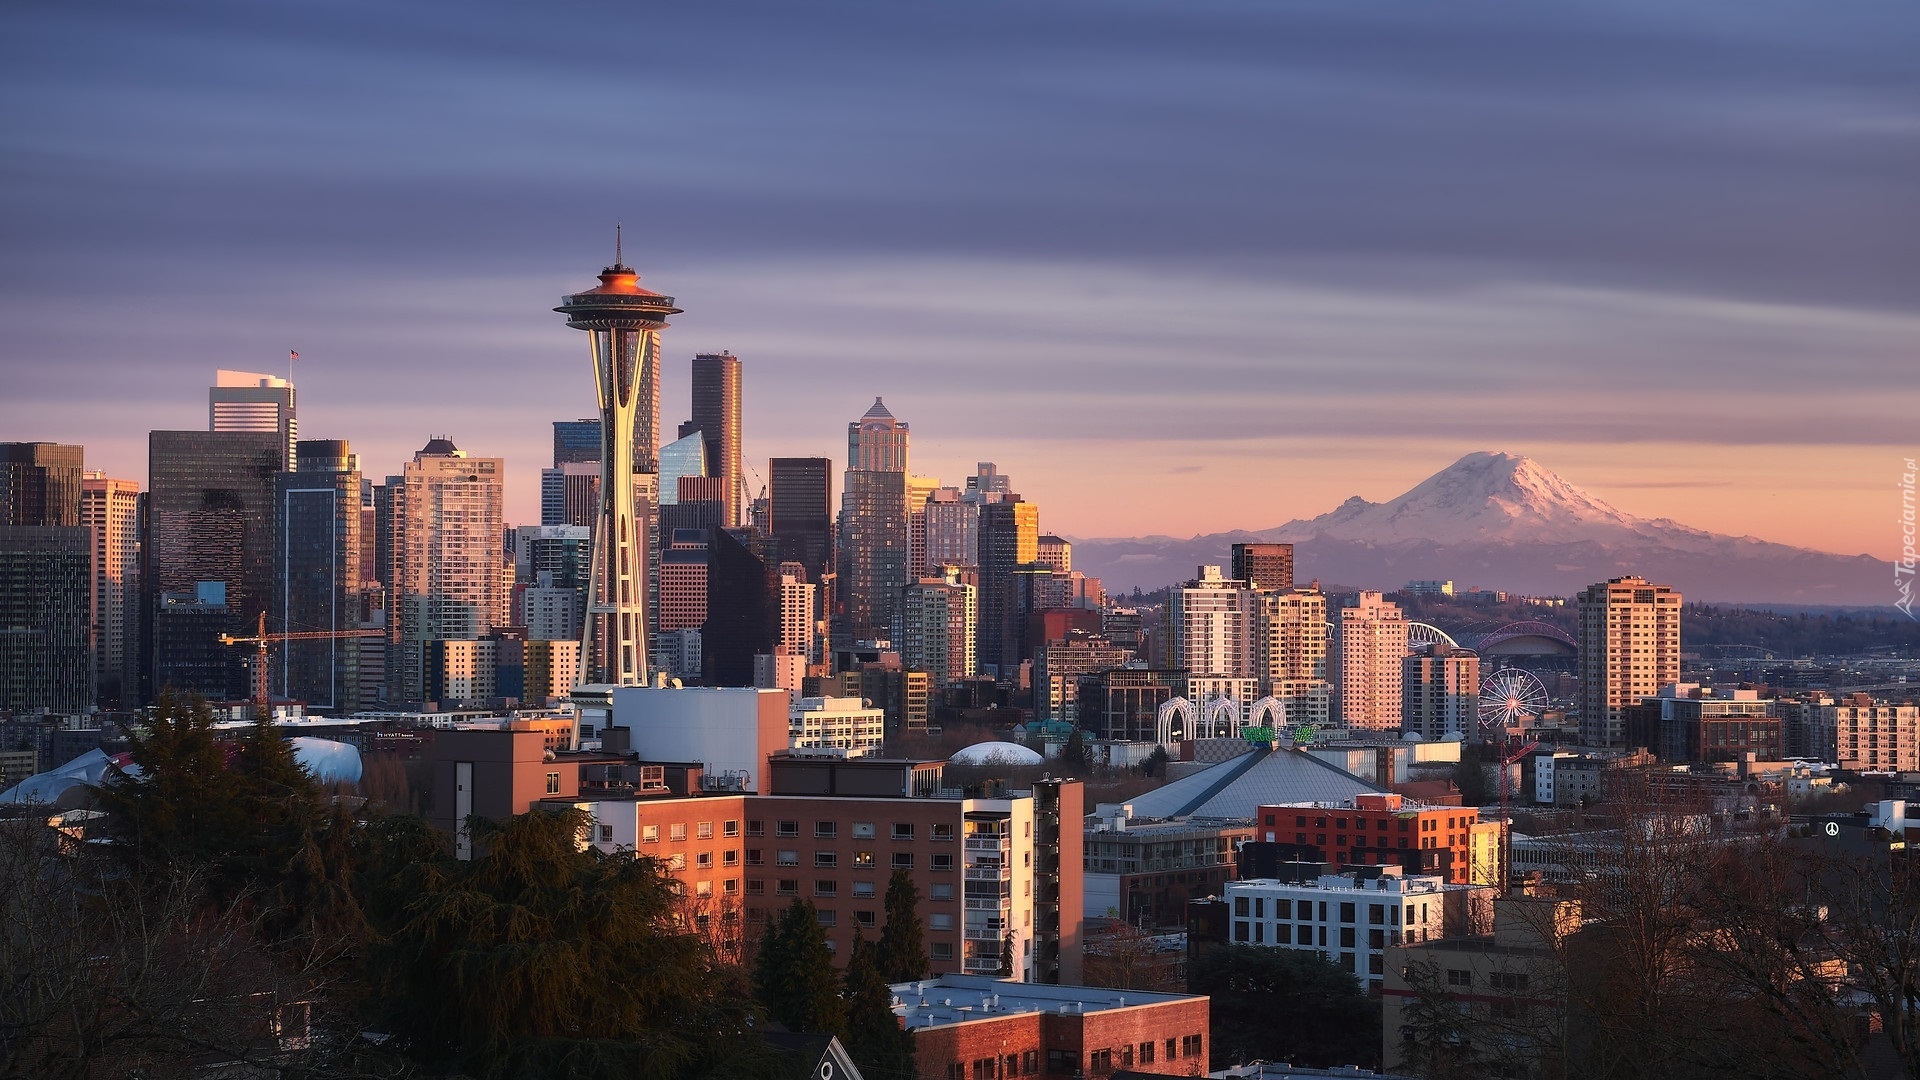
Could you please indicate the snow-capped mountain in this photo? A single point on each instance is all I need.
(1506, 522)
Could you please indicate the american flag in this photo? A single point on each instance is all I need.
(292, 356)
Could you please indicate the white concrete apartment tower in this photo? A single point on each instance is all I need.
(451, 583)
(110, 510)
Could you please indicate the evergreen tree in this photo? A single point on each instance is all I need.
(903, 949)
(874, 1037)
(540, 959)
(1006, 956)
(1156, 764)
(1074, 755)
(795, 975)
(180, 805)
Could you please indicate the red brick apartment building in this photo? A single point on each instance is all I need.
(973, 1028)
(830, 831)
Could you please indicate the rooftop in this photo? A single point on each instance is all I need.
(959, 999)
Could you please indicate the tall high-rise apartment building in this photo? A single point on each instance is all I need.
(1009, 539)
(46, 581)
(800, 513)
(683, 581)
(250, 401)
(939, 616)
(799, 617)
(1371, 644)
(873, 524)
(1264, 566)
(447, 549)
(1440, 692)
(1629, 650)
(110, 510)
(716, 415)
(1210, 626)
(952, 531)
(1290, 654)
(210, 500)
(316, 554)
(576, 440)
(919, 490)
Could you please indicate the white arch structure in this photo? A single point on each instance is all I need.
(1273, 709)
(1215, 717)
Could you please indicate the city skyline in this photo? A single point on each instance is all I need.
(1502, 217)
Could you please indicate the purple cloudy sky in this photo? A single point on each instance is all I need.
(1176, 266)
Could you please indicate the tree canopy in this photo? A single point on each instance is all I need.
(903, 949)
(1284, 1005)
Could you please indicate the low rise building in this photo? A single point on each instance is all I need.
(973, 1028)
(1698, 725)
(1352, 918)
(836, 723)
(1383, 829)
(1144, 873)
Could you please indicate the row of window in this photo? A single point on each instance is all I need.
(1284, 934)
(860, 860)
(1067, 1062)
(1283, 908)
(829, 887)
(702, 830)
(859, 830)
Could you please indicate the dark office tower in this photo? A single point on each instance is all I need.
(800, 512)
(46, 581)
(1009, 539)
(576, 440)
(210, 498)
(716, 415)
(316, 555)
(1267, 567)
(873, 526)
(743, 611)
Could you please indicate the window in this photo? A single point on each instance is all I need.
(553, 783)
(826, 887)
(730, 857)
(704, 830)
(1240, 930)
(1457, 977)
(941, 892)
(606, 834)
(756, 887)
(1283, 909)
(863, 858)
(826, 858)
(787, 887)
(732, 886)
(825, 916)
(939, 922)
(677, 860)
(942, 950)
(1283, 934)
(1030, 1062)
(828, 829)
(731, 828)
(756, 828)
(703, 888)
(863, 830)
(940, 862)
(863, 889)
(1100, 1061)
(1063, 1061)
(1146, 1053)
(649, 834)
(1507, 980)
(786, 828)
(1346, 911)
(1346, 937)
(677, 832)
(903, 860)
(703, 860)
(902, 830)
(943, 832)
(1376, 914)
(1171, 1051)
(1241, 907)
(786, 857)
(864, 918)
(754, 858)
(1190, 1046)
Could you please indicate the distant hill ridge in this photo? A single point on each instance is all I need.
(1505, 521)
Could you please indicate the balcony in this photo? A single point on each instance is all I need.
(983, 965)
(989, 873)
(983, 933)
(989, 843)
(1005, 903)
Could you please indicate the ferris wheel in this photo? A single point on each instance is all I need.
(1507, 697)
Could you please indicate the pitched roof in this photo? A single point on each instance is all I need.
(878, 412)
(1237, 787)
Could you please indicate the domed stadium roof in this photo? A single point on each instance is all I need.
(996, 753)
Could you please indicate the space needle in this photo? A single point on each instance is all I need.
(623, 323)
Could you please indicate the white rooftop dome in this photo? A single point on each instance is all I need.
(996, 753)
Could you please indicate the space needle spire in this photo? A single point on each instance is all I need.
(623, 323)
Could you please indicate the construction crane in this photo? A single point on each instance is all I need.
(262, 703)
